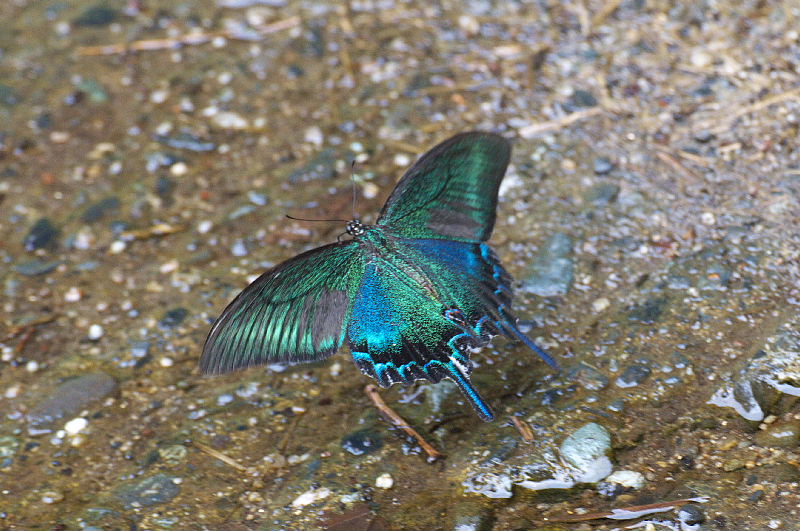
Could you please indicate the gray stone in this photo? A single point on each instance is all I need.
(70, 398)
(552, 269)
(149, 491)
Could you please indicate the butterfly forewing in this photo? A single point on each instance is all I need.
(451, 192)
(292, 313)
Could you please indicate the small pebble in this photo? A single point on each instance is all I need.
(313, 135)
(76, 425)
(117, 247)
(205, 226)
(95, 332)
(384, 481)
(311, 496)
(179, 169)
(166, 362)
(600, 304)
(52, 496)
(73, 295)
(32, 366)
(402, 160)
(602, 165)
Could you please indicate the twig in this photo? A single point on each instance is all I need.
(605, 12)
(676, 165)
(160, 229)
(219, 455)
(286, 438)
(530, 131)
(372, 393)
(18, 329)
(24, 340)
(182, 40)
(523, 428)
(627, 513)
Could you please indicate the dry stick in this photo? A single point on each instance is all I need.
(372, 393)
(530, 131)
(219, 455)
(676, 165)
(183, 40)
(18, 329)
(523, 428)
(605, 12)
(645, 509)
(24, 340)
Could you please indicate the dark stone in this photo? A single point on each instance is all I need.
(650, 311)
(580, 99)
(634, 375)
(97, 15)
(36, 267)
(42, 234)
(691, 514)
(173, 318)
(149, 491)
(101, 209)
(602, 194)
(164, 188)
(704, 136)
(70, 398)
(362, 442)
(602, 165)
(8, 96)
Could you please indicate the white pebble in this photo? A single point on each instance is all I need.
(600, 304)
(32, 366)
(179, 169)
(205, 226)
(117, 246)
(313, 135)
(76, 425)
(13, 391)
(627, 478)
(95, 332)
(73, 294)
(311, 496)
(229, 120)
(402, 160)
(169, 267)
(708, 218)
(384, 481)
(159, 96)
(166, 362)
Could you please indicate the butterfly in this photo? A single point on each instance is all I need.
(412, 295)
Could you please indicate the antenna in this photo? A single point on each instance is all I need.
(353, 180)
(306, 219)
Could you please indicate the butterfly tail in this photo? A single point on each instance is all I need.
(454, 372)
(514, 331)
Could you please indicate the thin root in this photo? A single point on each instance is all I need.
(397, 420)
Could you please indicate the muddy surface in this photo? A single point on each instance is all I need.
(149, 153)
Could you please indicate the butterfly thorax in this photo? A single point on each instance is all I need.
(393, 258)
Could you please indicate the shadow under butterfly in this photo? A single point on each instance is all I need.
(412, 295)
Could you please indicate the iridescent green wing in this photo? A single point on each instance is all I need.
(451, 192)
(294, 312)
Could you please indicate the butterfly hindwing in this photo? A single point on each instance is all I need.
(451, 192)
(292, 313)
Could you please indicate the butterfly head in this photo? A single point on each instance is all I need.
(355, 227)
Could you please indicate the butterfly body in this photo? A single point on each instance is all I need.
(412, 295)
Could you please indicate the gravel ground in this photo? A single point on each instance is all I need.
(149, 153)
